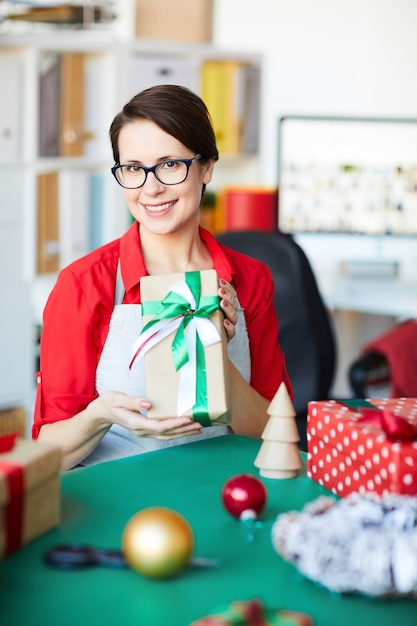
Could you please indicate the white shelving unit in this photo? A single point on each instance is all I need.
(108, 84)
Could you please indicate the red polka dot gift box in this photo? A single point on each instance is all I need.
(359, 446)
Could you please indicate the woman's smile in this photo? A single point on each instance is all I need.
(159, 208)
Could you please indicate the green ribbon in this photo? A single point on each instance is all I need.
(357, 403)
(172, 306)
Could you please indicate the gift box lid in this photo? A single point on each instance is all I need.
(349, 450)
(355, 413)
(38, 461)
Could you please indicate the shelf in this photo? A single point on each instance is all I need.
(59, 199)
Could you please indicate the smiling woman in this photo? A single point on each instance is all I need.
(88, 402)
(168, 189)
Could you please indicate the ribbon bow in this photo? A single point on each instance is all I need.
(394, 426)
(253, 613)
(185, 312)
(14, 477)
(7, 442)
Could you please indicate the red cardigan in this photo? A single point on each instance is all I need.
(77, 315)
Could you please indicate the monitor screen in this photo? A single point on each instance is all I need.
(347, 175)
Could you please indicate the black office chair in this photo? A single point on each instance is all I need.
(386, 365)
(305, 330)
(367, 372)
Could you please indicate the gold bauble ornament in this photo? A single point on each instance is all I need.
(158, 542)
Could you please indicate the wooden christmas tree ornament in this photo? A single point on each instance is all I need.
(279, 456)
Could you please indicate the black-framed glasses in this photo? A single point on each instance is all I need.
(170, 172)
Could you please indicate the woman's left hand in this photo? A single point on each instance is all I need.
(228, 305)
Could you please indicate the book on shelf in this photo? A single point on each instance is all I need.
(48, 257)
(62, 105)
(82, 14)
(226, 88)
(252, 105)
(72, 104)
(74, 218)
(216, 93)
(70, 215)
(96, 209)
(150, 70)
(49, 105)
(182, 20)
(97, 95)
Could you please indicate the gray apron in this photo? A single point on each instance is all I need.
(113, 373)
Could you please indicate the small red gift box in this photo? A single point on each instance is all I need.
(253, 612)
(349, 451)
(29, 491)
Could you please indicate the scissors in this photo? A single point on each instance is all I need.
(75, 556)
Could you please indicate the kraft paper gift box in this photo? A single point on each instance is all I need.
(13, 420)
(181, 312)
(182, 20)
(357, 449)
(29, 491)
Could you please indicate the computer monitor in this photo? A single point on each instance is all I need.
(347, 175)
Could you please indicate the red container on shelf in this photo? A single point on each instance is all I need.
(249, 208)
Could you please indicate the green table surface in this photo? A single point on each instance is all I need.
(98, 501)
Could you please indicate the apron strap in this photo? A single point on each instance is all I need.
(119, 290)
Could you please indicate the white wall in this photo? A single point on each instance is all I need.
(324, 57)
(332, 57)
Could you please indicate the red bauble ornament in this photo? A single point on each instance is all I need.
(244, 496)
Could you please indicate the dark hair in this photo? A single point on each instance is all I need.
(176, 110)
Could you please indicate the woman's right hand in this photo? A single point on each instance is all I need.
(119, 408)
(81, 434)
